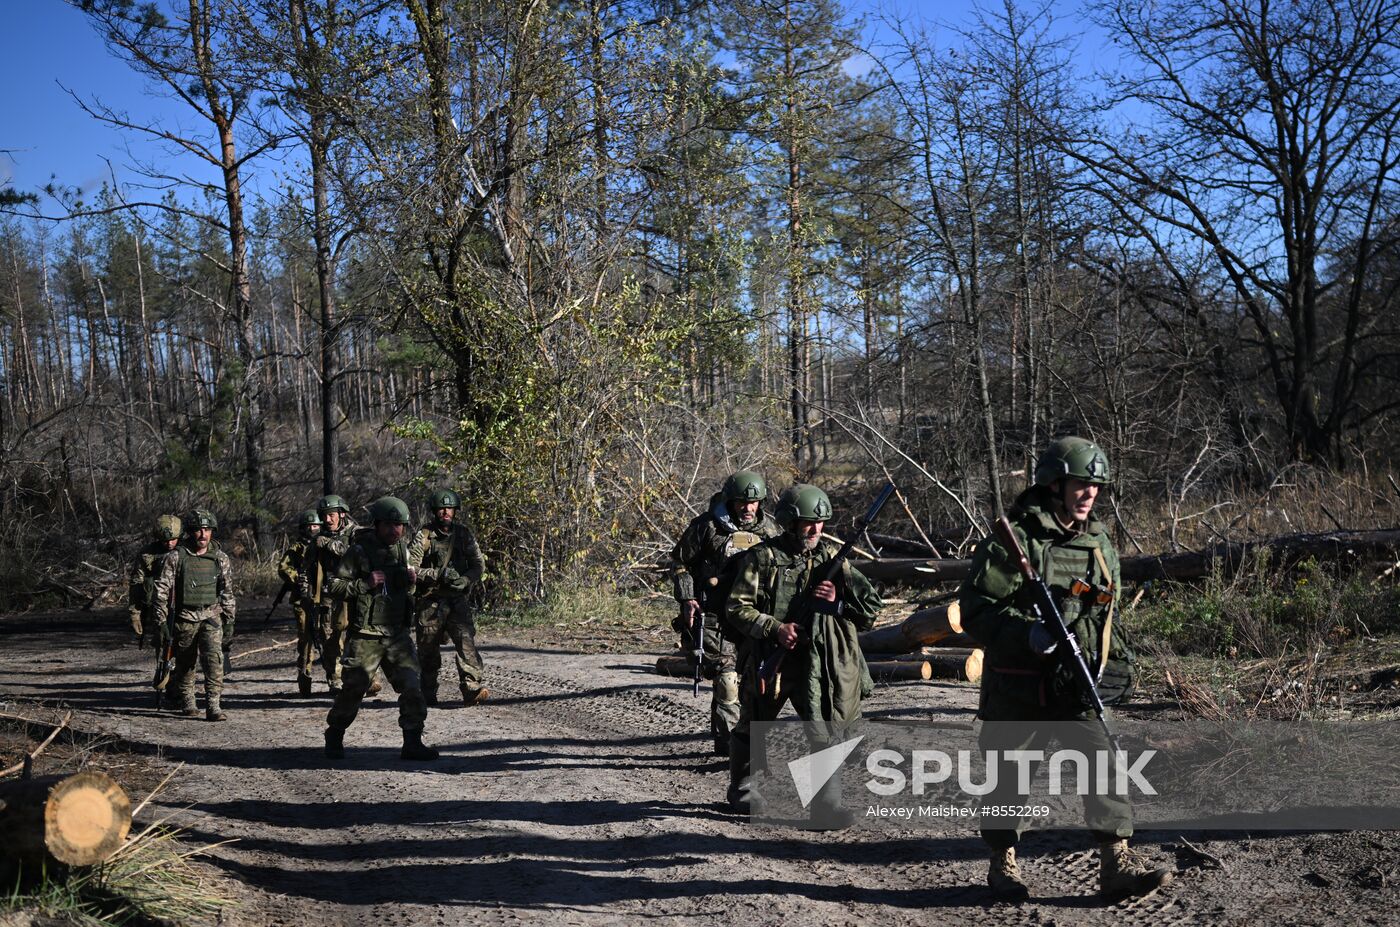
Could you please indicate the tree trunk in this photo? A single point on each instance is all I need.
(75, 820)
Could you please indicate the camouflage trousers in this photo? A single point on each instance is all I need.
(720, 668)
(451, 618)
(1110, 817)
(197, 639)
(307, 634)
(365, 655)
(334, 622)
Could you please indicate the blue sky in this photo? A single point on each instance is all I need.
(49, 46)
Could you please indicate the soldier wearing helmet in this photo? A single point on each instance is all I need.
(1024, 678)
(779, 599)
(377, 581)
(701, 569)
(332, 612)
(449, 564)
(301, 570)
(194, 595)
(141, 580)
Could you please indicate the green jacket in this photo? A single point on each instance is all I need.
(995, 609)
(300, 567)
(827, 670)
(379, 611)
(706, 547)
(330, 548)
(433, 551)
(141, 581)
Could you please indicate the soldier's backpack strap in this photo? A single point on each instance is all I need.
(1112, 604)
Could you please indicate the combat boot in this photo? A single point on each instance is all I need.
(826, 811)
(1123, 873)
(188, 708)
(472, 696)
(1004, 876)
(304, 684)
(213, 711)
(375, 687)
(335, 743)
(430, 698)
(742, 797)
(414, 748)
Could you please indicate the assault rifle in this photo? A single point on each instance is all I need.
(768, 670)
(697, 631)
(1045, 611)
(282, 594)
(165, 652)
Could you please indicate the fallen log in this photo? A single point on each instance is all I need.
(962, 665)
(675, 664)
(915, 571)
(77, 820)
(926, 626)
(893, 670)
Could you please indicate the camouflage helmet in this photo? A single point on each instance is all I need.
(331, 503)
(200, 518)
(1072, 456)
(167, 528)
(444, 499)
(390, 509)
(802, 502)
(309, 518)
(745, 486)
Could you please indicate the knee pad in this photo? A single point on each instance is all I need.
(727, 687)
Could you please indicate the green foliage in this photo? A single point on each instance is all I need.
(1267, 611)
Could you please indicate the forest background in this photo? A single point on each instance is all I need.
(579, 260)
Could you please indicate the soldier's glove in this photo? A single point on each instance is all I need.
(1041, 639)
(302, 589)
(451, 577)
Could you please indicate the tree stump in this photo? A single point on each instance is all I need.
(77, 820)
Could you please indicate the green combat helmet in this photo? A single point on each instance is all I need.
(167, 528)
(201, 518)
(745, 486)
(444, 499)
(390, 509)
(310, 519)
(331, 503)
(1077, 457)
(802, 502)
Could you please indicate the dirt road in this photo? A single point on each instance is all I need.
(583, 793)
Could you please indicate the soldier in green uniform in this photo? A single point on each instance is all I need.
(194, 594)
(375, 578)
(777, 601)
(1023, 679)
(142, 578)
(702, 565)
(449, 563)
(300, 568)
(332, 611)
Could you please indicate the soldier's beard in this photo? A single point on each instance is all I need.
(811, 543)
(745, 520)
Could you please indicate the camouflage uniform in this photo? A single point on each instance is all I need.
(141, 586)
(710, 543)
(449, 563)
(332, 609)
(825, 677)
(301, 568)
(194, 596)
(379, 632)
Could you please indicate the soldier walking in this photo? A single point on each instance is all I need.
(777, 601)
(449, 563)
(1023, 679)
(141, 585)
(332, 611)
(301, 569)
(702, 565)
(375, 579)
(194, 595)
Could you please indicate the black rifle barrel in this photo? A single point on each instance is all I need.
(1045, 610)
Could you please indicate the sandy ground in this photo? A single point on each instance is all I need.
(584, 793)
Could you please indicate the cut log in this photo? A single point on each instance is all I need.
(675, 664)
(964, 665)
(77, 820)
(926, 626)
(891, 670)
(916, 572)
(963, 640)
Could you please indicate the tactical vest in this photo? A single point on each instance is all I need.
(199, 579)
(388, 608)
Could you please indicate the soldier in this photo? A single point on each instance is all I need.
(332, 612)
(1024, 680)
(301, 569)
(375, 578)
(777, 600)
(702, 565)
(142, 583)
(449, 563)
(194, 594)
